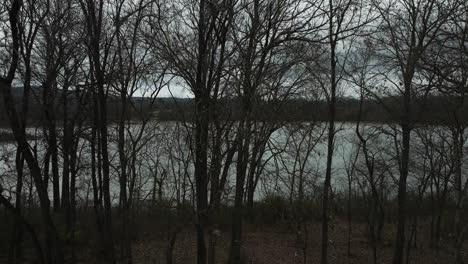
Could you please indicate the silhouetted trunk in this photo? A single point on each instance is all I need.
(215, 180)
(73, 174)
(201, 177)
(48, 99)
(224, 174)
(125, 243)
(16, 246)
(251, 180)
(103, 142)
(258, 150)
(49, 114)
(96, 182)
(330, 142)
(66, 171)
(241, 169)
(438, 199)
(401, 220)
(202, 96)
(460, 227)
(349, 218)
(215, 162)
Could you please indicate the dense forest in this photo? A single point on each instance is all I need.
(310, 131)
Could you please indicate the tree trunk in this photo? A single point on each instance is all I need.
(17, 234)
(125, 246)
(400, 238)
(201, 141)
(55, 168)
(202, 96)
(236, 235)
(330, 143)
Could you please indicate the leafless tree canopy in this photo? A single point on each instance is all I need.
(148, 131)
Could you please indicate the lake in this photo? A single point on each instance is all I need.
(294, 153)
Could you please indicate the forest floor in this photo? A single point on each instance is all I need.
(262, 244)
(271, 245)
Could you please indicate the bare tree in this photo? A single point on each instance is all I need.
(264, 34)
(343, 21)
(98, 53)
(130, 73)
(451, 71)
(54, 251)
(201, 67)
(408, 29)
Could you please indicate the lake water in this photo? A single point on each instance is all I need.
(293, 151)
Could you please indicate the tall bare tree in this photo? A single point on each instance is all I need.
(408, 29)
(264, 36)
(98, 53)
(201, 67)
(54, 252)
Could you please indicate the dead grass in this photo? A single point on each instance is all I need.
(275, 245)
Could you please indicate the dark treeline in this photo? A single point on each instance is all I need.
(433, 110)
